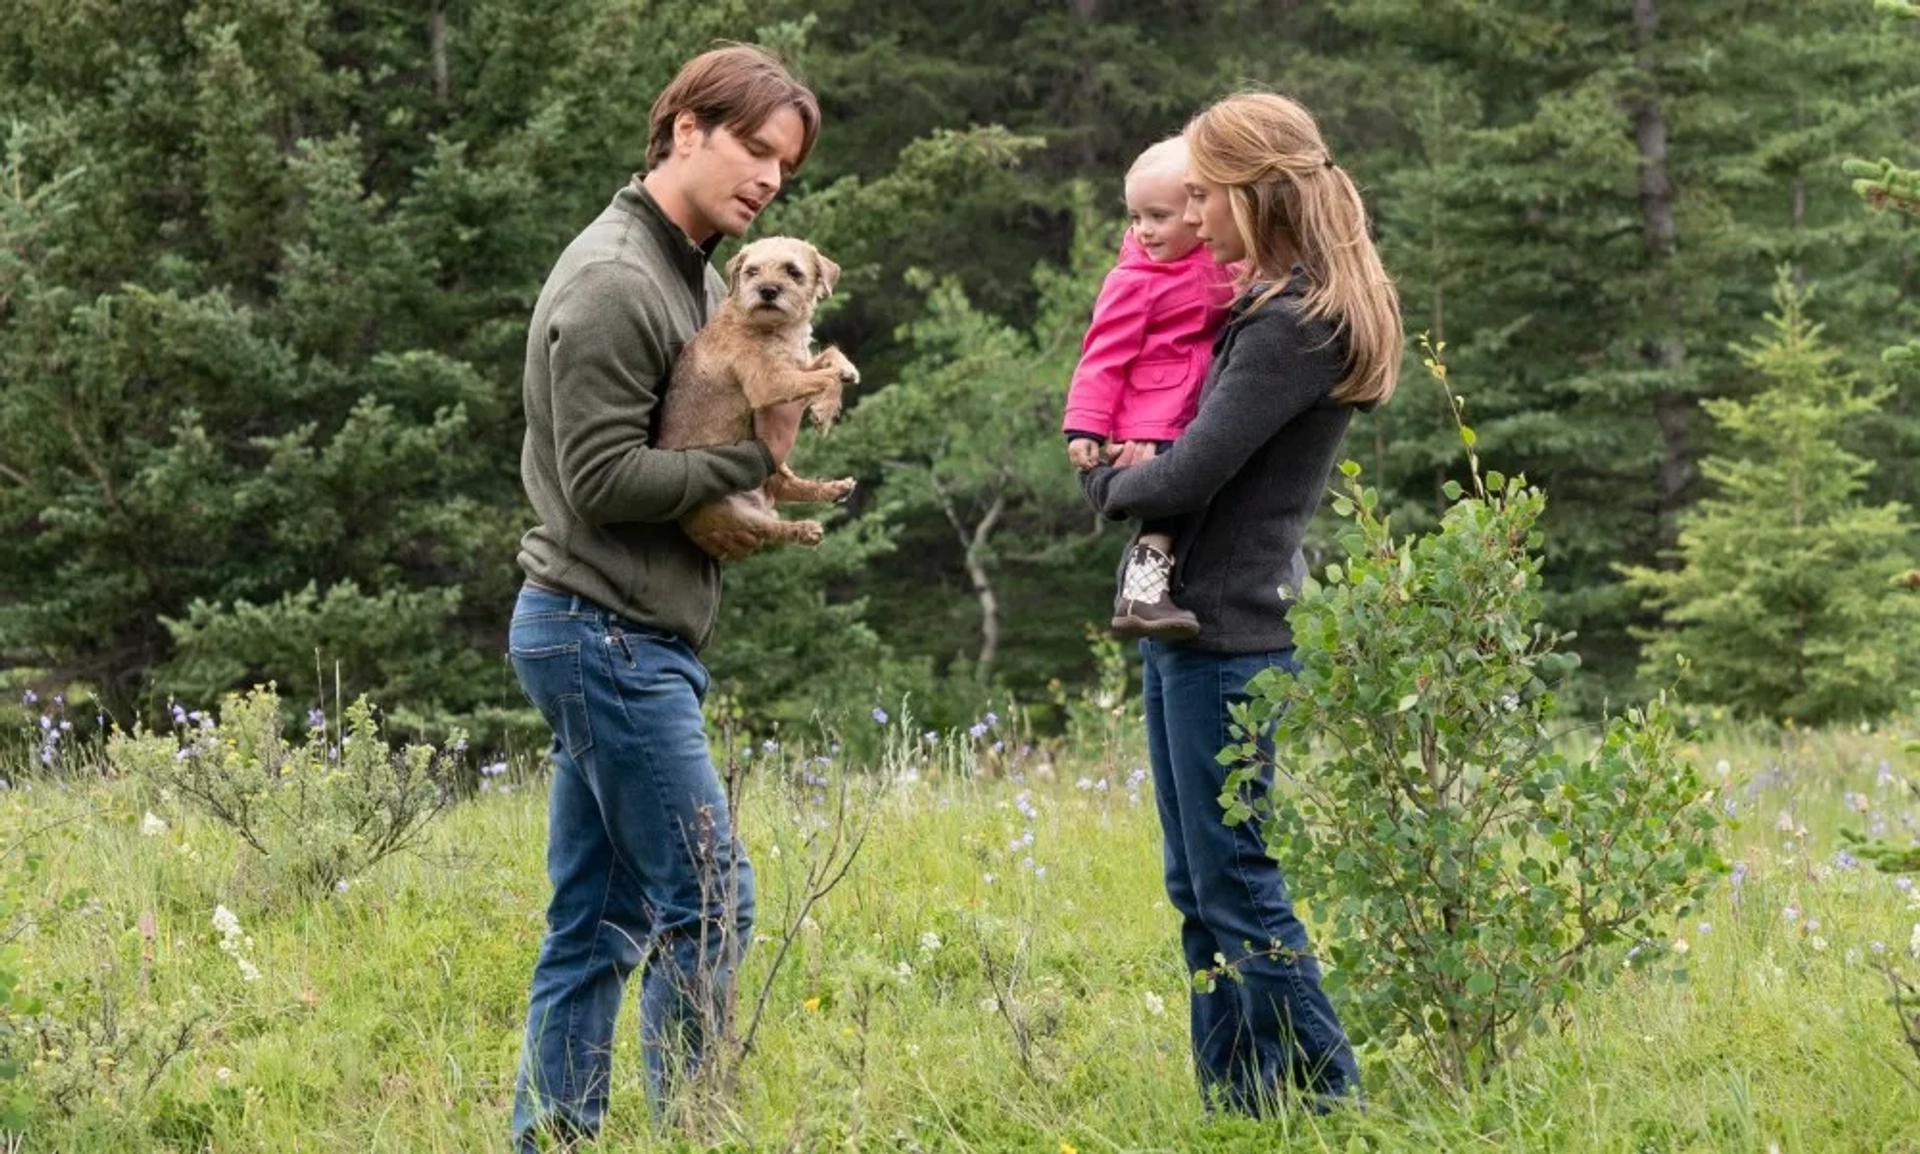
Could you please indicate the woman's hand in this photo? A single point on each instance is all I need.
(1124, 453)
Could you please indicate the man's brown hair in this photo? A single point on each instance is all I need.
(736, 87)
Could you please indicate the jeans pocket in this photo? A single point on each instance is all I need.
(651, 653)
(550, 676)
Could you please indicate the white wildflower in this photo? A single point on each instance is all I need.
(904, 969)
(929, 942)
(152, 825)
(1155, 1005)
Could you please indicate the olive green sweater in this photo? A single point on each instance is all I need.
(624, 298)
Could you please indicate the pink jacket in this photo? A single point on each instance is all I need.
(1146, 352)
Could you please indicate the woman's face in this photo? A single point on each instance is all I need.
(1211, 215)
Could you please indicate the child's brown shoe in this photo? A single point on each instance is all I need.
(1144, 605)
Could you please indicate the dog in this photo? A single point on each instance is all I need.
(754, 353)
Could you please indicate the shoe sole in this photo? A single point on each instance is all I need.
(1131, 626)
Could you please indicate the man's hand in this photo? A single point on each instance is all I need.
(1124, 453)
(778, 428)
(1083, 453)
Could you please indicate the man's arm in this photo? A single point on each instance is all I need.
(607, 360)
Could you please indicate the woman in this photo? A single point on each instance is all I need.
(1313, 334)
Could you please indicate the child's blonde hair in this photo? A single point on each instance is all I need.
(1287, 193)
(1163, 158)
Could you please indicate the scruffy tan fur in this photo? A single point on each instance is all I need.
(755, 352)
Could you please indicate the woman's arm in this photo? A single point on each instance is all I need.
(1275, 370)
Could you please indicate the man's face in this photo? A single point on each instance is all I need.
(728, 179)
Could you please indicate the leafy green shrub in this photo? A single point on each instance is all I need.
(319, 812)
(1464, 871)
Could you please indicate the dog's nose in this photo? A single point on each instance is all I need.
(769, 293)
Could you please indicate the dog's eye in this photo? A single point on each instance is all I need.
(793, 270)
(750, 270)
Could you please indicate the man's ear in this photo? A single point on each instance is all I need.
(733, 268)
(828, 272)
(686, 126)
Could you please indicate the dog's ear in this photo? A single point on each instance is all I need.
(829, 274)
(733, 268)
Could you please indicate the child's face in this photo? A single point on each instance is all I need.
(1156, 209)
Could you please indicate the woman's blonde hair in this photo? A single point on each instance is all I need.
(1288, 195)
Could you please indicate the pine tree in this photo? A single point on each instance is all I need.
(1788, 599)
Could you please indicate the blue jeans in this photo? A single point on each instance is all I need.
(641, 854)
(1275, 1028)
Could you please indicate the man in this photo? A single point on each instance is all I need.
(618, 601)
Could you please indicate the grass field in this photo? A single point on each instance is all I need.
(388, 1016)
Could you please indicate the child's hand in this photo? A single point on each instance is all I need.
(1083, 454)
(1126, 453)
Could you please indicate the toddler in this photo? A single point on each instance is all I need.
(1141, 367)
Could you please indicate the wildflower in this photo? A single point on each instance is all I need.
(929, 737)
(1817, 942)
(904, 969)
(1844, 860)
(1680, 946)
(992, 719)
(152, 825)
(1084, 784)
(977, 730)
(342, 886)
(929, 942)
(1705, 929)
(990, 1005)
(316, 718)
(1791, 913)
(1155, 1005)
(493, 769)
(1722, 768)
(811, 1005)
(29, 698)
(1885, 775)
(1878, 948)
(879, 716)
(226, 921)
(997, 746)
(223, 1075)
(248, 971)
(1903, 883)
(1023, 801)
(1785, 822)
(1067, 1147)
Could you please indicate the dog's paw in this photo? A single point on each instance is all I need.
(848, 374)
(825, 411)
(808, 532)
(839, 490)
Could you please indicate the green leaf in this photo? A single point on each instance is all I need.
(1453, 490)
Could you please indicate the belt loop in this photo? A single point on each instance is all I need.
(574, 605)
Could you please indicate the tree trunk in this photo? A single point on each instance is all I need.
(437, 42)
(1672, 410)
(975, 544)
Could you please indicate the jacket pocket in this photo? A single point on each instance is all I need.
(1161, 374)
